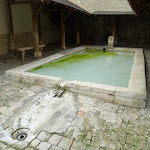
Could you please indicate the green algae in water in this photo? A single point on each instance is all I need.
(95, 66)
(75, 58)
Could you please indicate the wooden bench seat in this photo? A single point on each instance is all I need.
(23, 49)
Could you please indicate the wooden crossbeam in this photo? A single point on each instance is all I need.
(14, 2)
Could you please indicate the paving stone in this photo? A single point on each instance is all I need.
(81, 114)
(55, 139)
(72, 132)
(95, 141)
(89, 135)
(55, 148)
(29, 149)
(43, 146)
(3, 108)
(65, 143)
(35, 142)
(44, 136)
(77, 146)
(21, 145)
(3, 146)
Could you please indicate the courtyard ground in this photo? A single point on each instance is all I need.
(81, 123)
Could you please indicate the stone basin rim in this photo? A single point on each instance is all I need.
(133, 96)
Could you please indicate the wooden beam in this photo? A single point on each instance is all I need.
(114, 31)
(63, 45)
(37, 52)
(10, 23)
(15, 2)
(39, 10)
(78, 38)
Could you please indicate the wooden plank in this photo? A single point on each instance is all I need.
(29, 48)
(63, 45)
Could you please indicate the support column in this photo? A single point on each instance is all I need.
(63, 45)
(78, 38)
(37, 52)
(10, 22)
(114, 31)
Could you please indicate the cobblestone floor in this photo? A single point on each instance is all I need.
(97, 126)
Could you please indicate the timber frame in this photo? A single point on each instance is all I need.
(140, 6)
(36, 7)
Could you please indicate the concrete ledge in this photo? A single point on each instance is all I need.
(133, 96)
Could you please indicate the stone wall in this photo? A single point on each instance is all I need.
(22, 27)
(4, 37)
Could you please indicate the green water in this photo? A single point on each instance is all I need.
(96, 66)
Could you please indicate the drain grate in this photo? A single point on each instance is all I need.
(21, 134)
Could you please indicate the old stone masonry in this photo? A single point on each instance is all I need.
(69, 121)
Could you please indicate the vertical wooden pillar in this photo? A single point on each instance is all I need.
(114, 31)
(10, 23)
(37, 52)
(63, 45)
(78, 38)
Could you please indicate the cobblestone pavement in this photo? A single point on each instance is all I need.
(97, 126)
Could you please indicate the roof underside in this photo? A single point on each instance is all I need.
(107, 6)
(140, 6)
(73, 4)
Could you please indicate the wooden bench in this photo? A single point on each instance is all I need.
(23, 49)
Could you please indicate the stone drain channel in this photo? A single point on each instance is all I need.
(51, 110)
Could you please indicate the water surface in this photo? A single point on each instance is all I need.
(96, 66)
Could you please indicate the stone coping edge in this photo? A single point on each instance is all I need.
(133, 96)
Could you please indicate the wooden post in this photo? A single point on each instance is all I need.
(63, 45)
(114, 31)
(37, 52)
(10, 22)
(78, 38)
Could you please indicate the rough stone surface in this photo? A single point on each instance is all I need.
(65, 143)
(43, 146)
(34, 143)
(55, 139)
(55, 148)
(104, 125)
(44, 136)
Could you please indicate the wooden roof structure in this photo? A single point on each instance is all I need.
(71, 4)
(107, 7)
(140, 6)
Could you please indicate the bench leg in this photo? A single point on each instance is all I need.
(23, 55)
